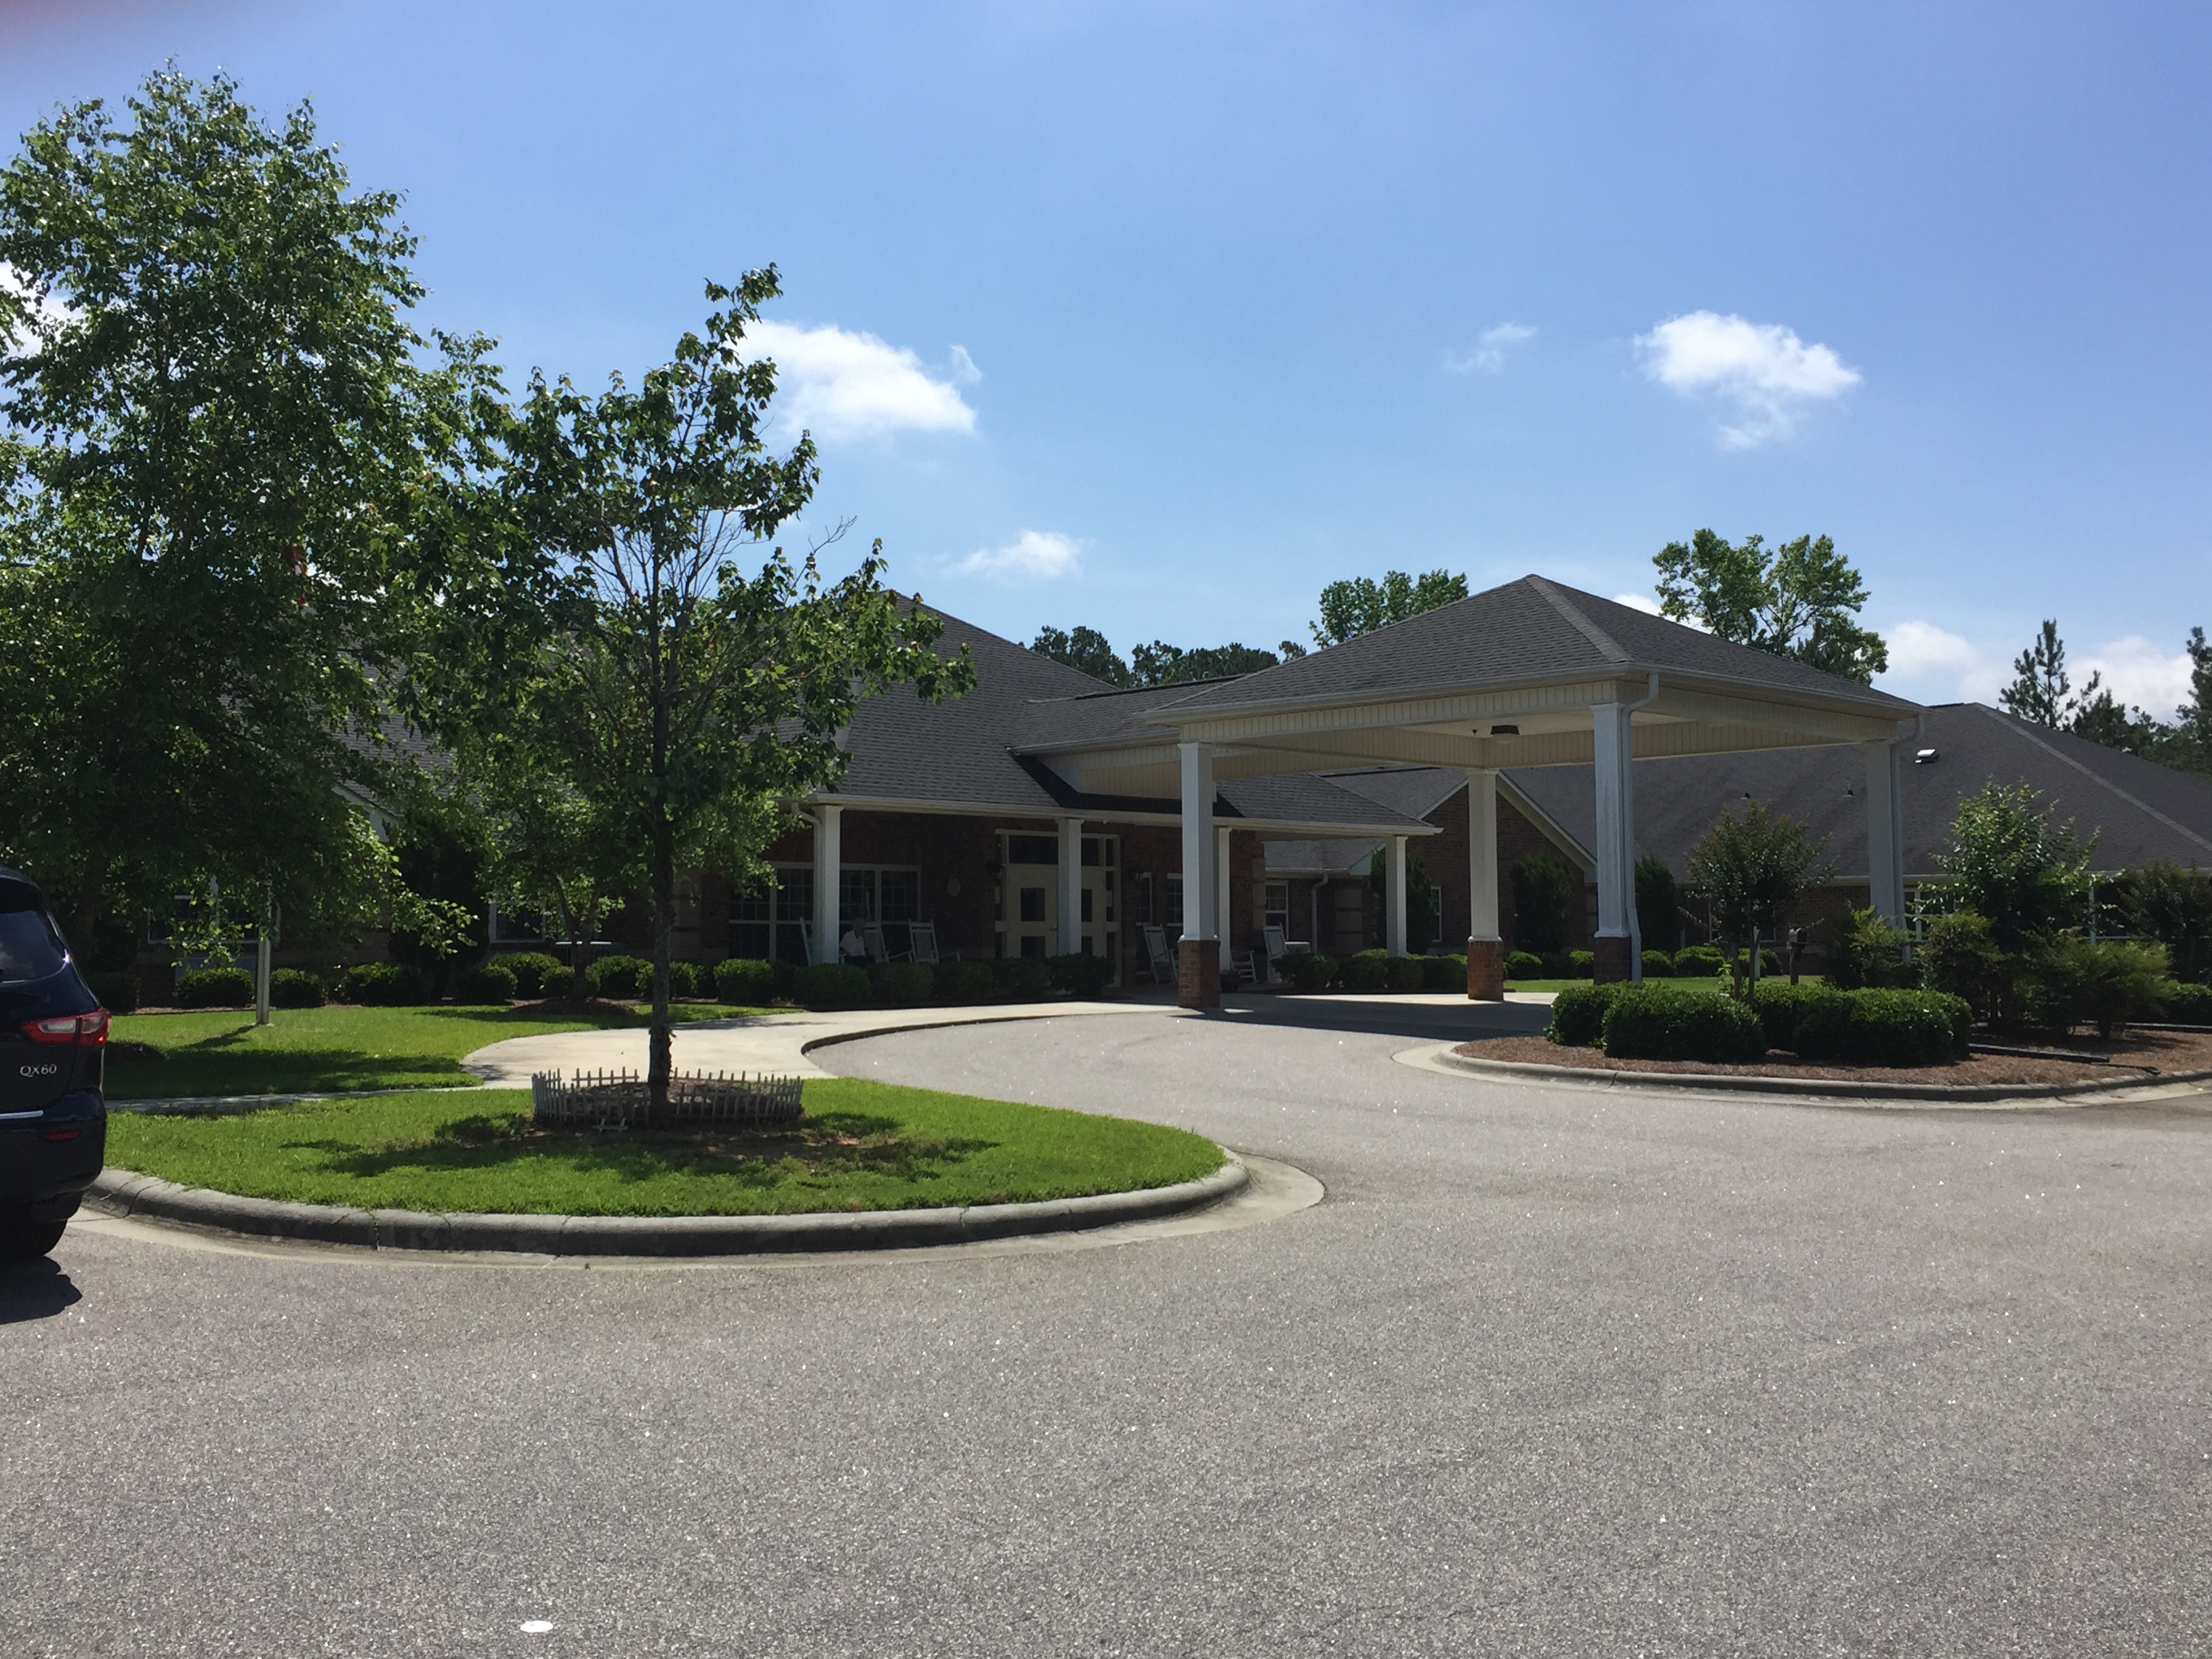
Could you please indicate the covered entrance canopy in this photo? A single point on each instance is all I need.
(1529, 674)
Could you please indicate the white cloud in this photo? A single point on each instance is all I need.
(1035, 554)
(46, 314)
(1490, 346)
(1643, 602)
(1933, 665)
(840, 385)
(1764, 369)
(2136, 672)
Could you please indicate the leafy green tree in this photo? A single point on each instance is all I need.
(214, 413)
(1800, 600)
(1544, 894)
(1362, 604)
(1420, 899)
(1754, 868)
(683, 699)
(1085, 649)
(1162, 664)
(2173, 905)
(2006, 861)
(554, 850)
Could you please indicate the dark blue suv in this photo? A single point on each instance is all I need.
(53, 1038)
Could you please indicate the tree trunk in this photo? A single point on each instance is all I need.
(91, 892)
(662, 1039)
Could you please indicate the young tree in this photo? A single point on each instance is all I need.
(1658, 904)
(683, 699)
(1420, 899)
(1754, 868)
(1800, 600)
(217, 411)
(1362, 605)
(2009, 863)
(2173, 905)
(2042, 690)
(1544, 892)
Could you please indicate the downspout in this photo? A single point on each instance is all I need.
(1635, 922)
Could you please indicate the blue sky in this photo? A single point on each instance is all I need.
(1158, 317)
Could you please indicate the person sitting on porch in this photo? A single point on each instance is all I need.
(852, 947)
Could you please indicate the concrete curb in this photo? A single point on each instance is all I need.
(123, 1192)
(1823, 1088)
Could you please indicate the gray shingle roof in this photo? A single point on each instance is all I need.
(1527, 629)
(2141, 810)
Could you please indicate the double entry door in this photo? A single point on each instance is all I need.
(1029, 896)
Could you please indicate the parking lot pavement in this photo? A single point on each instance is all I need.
(1550, 1371)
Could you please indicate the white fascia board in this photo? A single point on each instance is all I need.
(1302, 828)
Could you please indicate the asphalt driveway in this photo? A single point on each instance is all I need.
(1549, 1372)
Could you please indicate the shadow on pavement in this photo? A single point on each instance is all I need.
(1466, 1021)
(37, 1288)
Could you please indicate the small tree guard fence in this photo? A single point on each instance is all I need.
(619, 1100)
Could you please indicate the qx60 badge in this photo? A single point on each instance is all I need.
(39, 1071)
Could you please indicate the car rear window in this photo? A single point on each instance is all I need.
(29, 947)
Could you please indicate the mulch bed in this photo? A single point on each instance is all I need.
(2139, 1054)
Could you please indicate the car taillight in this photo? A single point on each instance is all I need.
(84, 1030)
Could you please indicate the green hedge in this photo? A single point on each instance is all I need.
(1403, 973)
(1568, 965)
(488, 982)
(1447, 973)
(1079, 975)
(1579, 1014)
(823, 985)
(1883, 1028)
(1778, 1003)
(1023, 979)
(963, 981)
(1768, 963)
(295, 988)
(620, 976)
(1658, 964)
(1700, 962)
(536, 973)
(1309, 971)
(1523, 964)
(900, 984)
(385, 985)
(748, 981)
(2181, 1003)
(214, 988)
(1673, 1022)
(1366, 970)
(117, 992)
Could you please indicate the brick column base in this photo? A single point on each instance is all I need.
(1198, 973)
(1611, 960)
(1486, 969)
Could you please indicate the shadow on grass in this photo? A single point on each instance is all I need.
(200, 1070)
(832, 1146)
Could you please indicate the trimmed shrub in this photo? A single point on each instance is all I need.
(901, 984)
(214, 988)
(1366, 970)
(1579, 1014)
(1402, 973)
(2182, 1005)
(295, 988)
(1023, 979)
(1869, 952)
(1308, 970)
(1582, 965)
(1443, 973)
(2073, 982)
(1673, 1022)
(489, 982)
(1557, 965)
(1777, 1004)
(963, 981)
(1700, 962)
(621, 976)
(536, 973)
(1883, 1028)
(748, 981)
(685, 979)
(1658, 964)
(823, 985)
(386, 985)
(1768, 963)
(117, 992)
(1078, 975)
(1523, 964)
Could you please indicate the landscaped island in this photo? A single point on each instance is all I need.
(860, 1146)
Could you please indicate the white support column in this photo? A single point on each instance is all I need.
(1616, 837)
(1070, 942)
(1482, 854)
(1199, 920)
(1394, 919)
(1225, 893)
(829, 879)
(1885, 833)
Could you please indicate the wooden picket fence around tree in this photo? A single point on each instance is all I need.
(619, 1100)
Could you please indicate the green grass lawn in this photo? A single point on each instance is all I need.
(861, 1146)
(222, 1052)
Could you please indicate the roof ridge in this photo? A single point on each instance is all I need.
(2023, 727)
(1607, 646)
